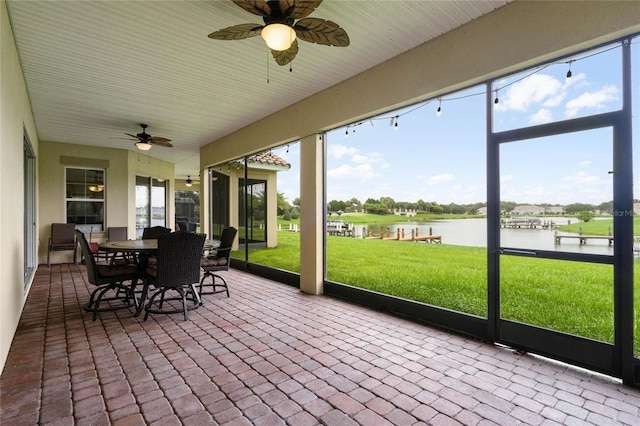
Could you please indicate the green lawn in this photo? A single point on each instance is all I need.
(572, 297)
(598, 227)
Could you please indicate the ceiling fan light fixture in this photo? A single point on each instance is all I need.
(189, 182)
(143, 146)
(278, 36)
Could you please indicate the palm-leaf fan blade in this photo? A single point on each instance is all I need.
(315, 30)
(257, 7)
(237, 32)
(298, 9)
(283, 57)
(156, 140)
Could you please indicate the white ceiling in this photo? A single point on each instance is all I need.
(96, 69)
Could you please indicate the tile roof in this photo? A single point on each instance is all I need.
(268, 157)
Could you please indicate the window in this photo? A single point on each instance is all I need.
(85, 198)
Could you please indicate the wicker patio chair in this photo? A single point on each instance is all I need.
(108, 278)
(174, 275)
(217, 263)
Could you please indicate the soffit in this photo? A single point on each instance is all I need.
(96, 69)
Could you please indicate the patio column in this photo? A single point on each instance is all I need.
(311, 214)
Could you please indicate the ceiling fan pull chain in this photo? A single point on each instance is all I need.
(267, 65)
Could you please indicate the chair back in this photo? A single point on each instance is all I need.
(154, 232)
(63, 234)
(92, 266)
(226, 242)
(179, 255)
(117, 233)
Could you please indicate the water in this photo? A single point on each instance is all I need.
(473, 232)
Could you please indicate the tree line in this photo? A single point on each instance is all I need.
(385, 205)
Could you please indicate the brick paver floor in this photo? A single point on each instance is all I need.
(271, 355)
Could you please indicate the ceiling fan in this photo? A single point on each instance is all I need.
(145, 141)
(281, 31)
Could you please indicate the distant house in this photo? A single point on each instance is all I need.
(405, 212)
(482, 211)
(554, 210)
(528, 209)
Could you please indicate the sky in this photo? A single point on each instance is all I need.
(441, 157)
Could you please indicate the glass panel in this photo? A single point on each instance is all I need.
(86, 213)
(570, 297)
(158, 203)
(143, 217)
(557, 193)
(220, 199)
(252, 212)
(546, 95)
(187, 204)
(406, 203)
(268, 206)
(85, 198)
(635, 93)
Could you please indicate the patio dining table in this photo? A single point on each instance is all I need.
(142, 249)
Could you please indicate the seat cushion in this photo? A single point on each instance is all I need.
(107, 271)
(213, 261)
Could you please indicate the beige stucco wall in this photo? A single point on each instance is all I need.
(121, 168)
(15, 118)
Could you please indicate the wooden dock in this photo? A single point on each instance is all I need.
(582, 239)
(401, 236)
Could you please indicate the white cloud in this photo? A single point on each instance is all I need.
(506, 178)
(361, 172)
(581, 178)
(532, 90)
(444, 177)
(338, 151)
(373, 157)
(592, 100)
(585, 163)
(542, 116)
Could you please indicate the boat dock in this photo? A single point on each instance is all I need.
(582, 239)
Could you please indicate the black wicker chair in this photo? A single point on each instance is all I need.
(176, 271)
(154, 232)
(108, 278)
(217, 263)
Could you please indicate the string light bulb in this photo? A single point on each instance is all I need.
(496, 101)
(395, 126)
(439, 110)
(569, 74)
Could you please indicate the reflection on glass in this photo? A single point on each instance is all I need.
(557, 193)
(570, 297)
(406, 203)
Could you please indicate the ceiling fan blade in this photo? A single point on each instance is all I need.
(133, 136)
(283, 57)
(156, 140)
(237, 32)
(257, 7)
(298, 9)
(315, 30)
